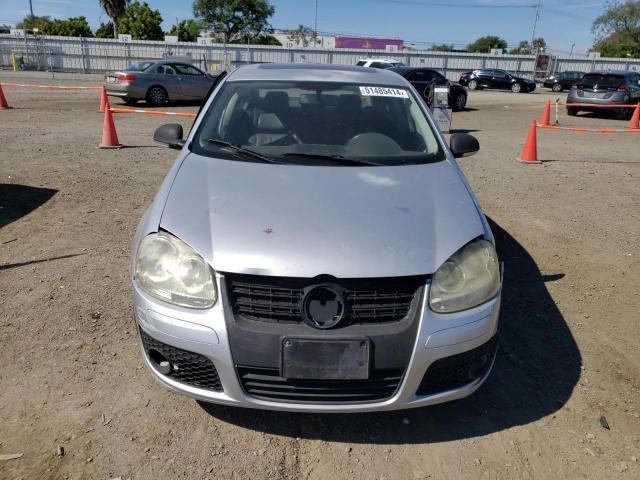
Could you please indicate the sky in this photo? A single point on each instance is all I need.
(562, 23)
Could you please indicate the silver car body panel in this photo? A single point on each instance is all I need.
(291, 220)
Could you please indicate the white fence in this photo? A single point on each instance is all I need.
(94, 55)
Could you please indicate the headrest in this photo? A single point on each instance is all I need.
(269, 121)
(276, 100)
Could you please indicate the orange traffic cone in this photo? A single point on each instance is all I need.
(109, 135)
(3, 101)
(635, 119)
(529, 152)
(103, 99)
(545, 120)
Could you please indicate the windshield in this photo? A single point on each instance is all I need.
(139, 66)
(603, 82)
(317, 123)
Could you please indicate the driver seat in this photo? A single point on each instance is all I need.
(270, 130)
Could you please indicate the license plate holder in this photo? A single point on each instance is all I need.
(342, 359)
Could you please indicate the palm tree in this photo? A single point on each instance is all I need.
(115, 9)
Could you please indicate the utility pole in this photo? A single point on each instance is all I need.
(571, 52)
(537, 6)
(31, 8)
(315, 26)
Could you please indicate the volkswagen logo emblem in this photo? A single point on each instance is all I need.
(323, 306)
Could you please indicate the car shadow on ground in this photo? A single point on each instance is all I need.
(16, 201)
(536, 370)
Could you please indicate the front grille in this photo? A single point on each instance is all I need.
(279, 299)
(267, 384)
(186, 367)
(458, 370)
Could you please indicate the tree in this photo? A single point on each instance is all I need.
(105, 30)
(141, 22)
(266, 40)
(617, 30)
(303, 36)
(71, 27)
(32, 22)
(5, 28)
(486, 43)
(115, 9)
(186, 30)
(234, 19)
(523, 48)
(442, 48)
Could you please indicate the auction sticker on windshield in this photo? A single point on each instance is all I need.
(383, 92)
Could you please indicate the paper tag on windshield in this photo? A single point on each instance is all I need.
(383, 92)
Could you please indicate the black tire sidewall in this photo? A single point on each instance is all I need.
(156, 104)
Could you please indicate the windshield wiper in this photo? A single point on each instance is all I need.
(241, 150)
(334, 157)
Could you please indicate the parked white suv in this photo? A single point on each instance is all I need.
(379, 63)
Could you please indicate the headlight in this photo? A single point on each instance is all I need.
(470, 277)
(169, 269)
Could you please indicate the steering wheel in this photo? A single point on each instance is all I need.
(372, 142)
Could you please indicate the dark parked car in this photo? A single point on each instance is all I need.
(492, 78)
(605, 88)
(562, 81)
(423, 78)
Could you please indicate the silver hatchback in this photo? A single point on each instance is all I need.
(315, 247)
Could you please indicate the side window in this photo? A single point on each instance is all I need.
(499, 74)
(440, 80)
(421, 76)
(184, 69)
(166, 69)
(361, 63)
(378, 65)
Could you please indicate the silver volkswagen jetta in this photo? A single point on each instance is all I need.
(315, 247)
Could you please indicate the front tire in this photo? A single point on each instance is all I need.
(556, 87)
(473, 85)
(460, 102)
(157, 96)
(516, 87)
(572, 111)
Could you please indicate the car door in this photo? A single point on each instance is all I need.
(194, 83)
(167, 77)
(421, 80)
(501, 79)
(484, 78)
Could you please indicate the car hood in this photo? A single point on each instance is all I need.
(304, 221)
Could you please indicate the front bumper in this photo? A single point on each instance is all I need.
(205, 334)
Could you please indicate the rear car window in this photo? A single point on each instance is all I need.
(139, 66)
(593, 80)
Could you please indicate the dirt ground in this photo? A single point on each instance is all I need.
(72, 374)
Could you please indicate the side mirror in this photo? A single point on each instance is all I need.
(463, 145)
(170, 135)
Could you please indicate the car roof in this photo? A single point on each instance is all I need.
(317, 73)
(611, 72)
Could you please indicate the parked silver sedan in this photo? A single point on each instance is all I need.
(316, 247)
(158, 82)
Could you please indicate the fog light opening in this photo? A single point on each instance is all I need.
(159, 361)
(478, 367)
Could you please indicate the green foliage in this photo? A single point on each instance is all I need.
(71, 27)
(234, 19)
(303, 36)
(260, 40)
(141, 22)
(617, 30)
(115, 10)
(442, 48)
(523, 48)
(486, 43)
(186, 30)
(105, 30)
(30, 22)
(5, 28)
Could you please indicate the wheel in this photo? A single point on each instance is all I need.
(623, 113)
(557, 87)
(130, 101)
(157, 96)
(460, 102)
(515, 88)
(473, 84)
(572, 111)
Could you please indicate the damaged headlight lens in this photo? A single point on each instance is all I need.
(170, 270)
(470, 277)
